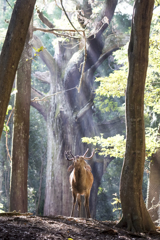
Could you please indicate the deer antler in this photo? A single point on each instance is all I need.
(85, 152)
(88, 158)
(69, 159)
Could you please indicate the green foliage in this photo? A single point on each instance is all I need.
(122, 22)
(31, 200)
(37, 161)
(152, 141)
(39, 49)
(1, 207)
(6, 127)
(116, 204)
(115, 85)
(103, 208)
(107, 105)
(109, 187)
(8, 109)
(157, 3)
(111, 90)
(113, 146)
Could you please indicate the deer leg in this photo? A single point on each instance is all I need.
(74, 202)
(79, 204)
(87, 205)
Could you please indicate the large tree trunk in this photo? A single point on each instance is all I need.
(69, 115)
(135, 216)
(11, 51)
(18, 195)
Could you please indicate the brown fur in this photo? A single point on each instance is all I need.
(81, 180)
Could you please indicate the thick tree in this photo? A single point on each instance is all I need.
(69, 115)
(19, 170)
(135, 215)
(11, 51)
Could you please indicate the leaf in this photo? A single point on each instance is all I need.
(9, 108)
(6, 128)
(38, 49)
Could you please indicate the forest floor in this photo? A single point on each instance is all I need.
(60, 227)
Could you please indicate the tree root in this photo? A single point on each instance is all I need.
(127, 223)
(136, 226)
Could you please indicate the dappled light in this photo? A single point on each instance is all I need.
(87, 78)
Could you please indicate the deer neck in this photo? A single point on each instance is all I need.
(80, 173)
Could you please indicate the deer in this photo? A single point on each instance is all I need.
(81, 180)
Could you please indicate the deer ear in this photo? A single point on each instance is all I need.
(70, 168)
(88, 168)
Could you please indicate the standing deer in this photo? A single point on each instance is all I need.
(81, 180)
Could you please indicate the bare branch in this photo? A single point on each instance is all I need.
(69, 19)
(43, 76)
(44, 19)
(41, 109)
(37, 99)
(9, 4)
(53, 31)
(84, 110)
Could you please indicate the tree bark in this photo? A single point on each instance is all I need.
(69, 121)
(11, 51)
(18, 195)
(135, 215)
(71, 125)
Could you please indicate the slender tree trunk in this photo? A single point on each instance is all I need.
(11, 51)
(18, 196)
(135, 215)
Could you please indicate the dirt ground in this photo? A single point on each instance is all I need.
(60, 227)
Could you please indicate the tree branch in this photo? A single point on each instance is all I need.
(44, 19)
(39, 107)
(43, 76)
(85, 108)
(53, 30)
(105, 16)
(69, 18)
(44, 55)
(112, 43)
(115, 41)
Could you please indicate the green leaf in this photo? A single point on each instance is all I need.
(9, 108)
(38, 49)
